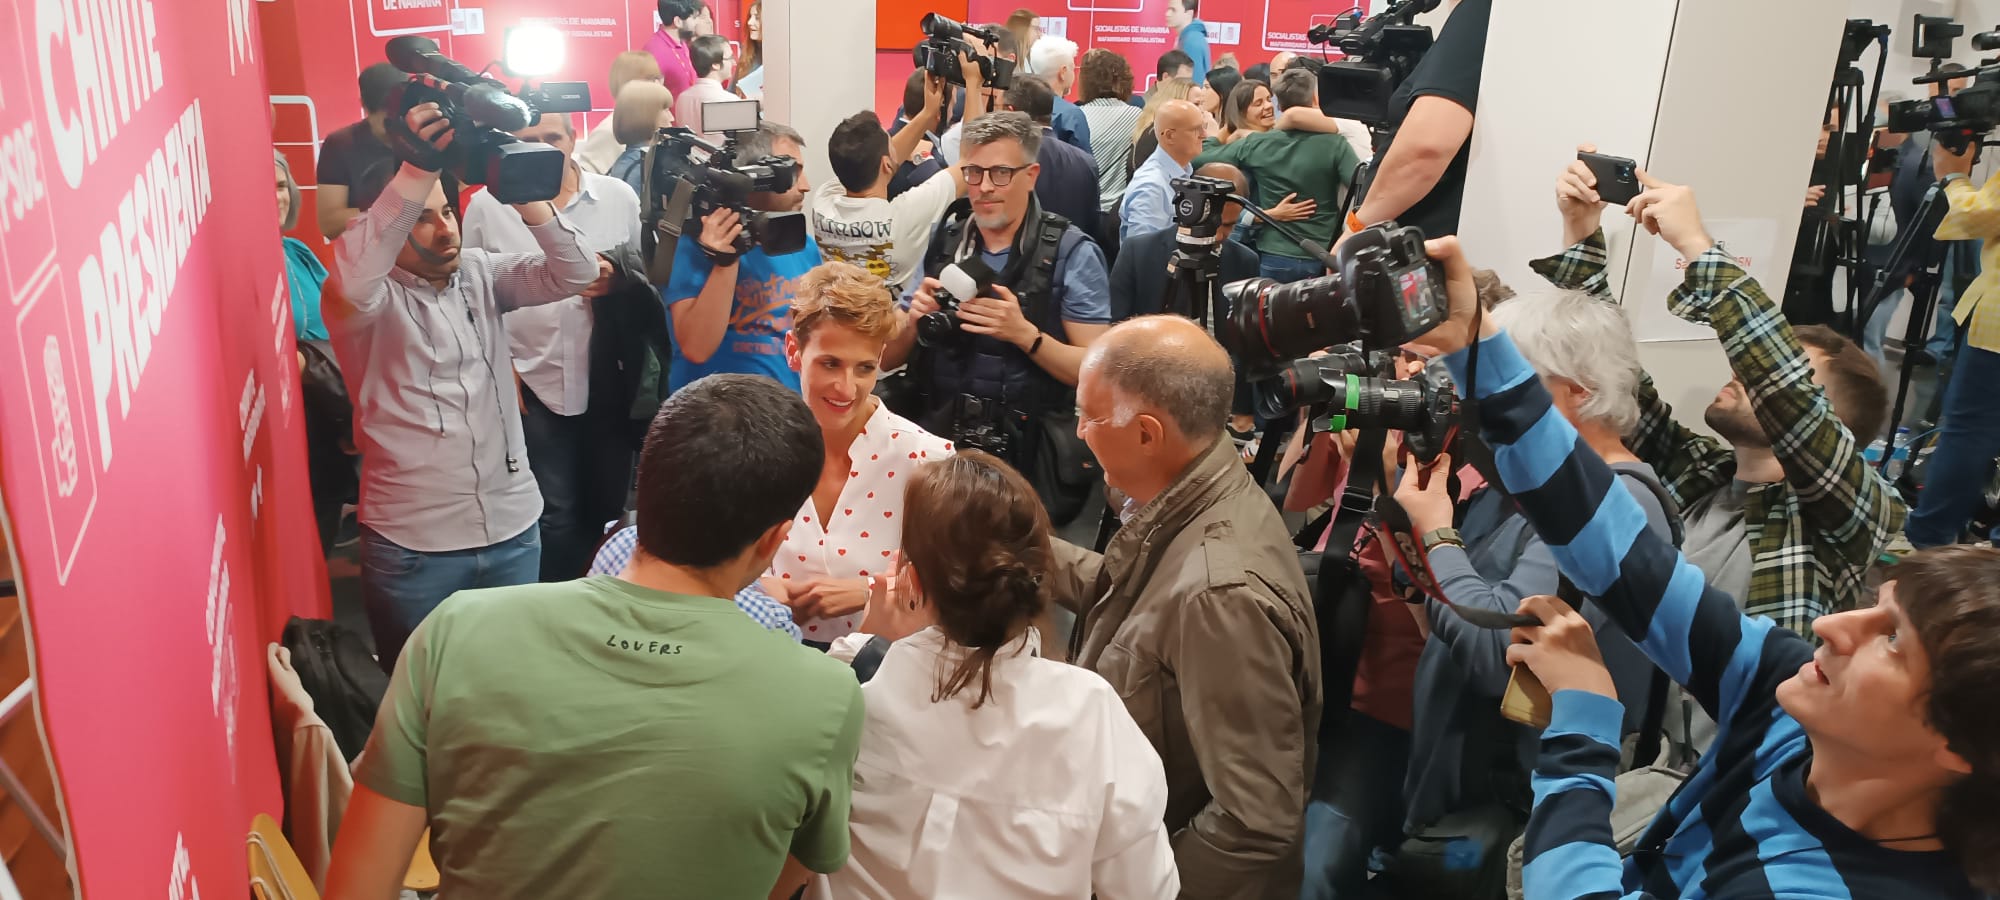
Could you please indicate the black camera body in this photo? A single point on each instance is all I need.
(481, 112)
(1957, 119)
(1350, 389)
(1384, 293)
(1380, 51)
(944, 42)
(688, 178)
(979, 424)
(959, 282)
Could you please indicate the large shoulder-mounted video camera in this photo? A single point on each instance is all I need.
(944, 42)
(1380, 52)
(482, 111)
(687, 178)
(1383, 293)
(1959, 118)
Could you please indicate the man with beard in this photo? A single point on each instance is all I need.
(1786, 516)
(447, 500)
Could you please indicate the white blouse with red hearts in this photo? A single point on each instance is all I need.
(866, 528)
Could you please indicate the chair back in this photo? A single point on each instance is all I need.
(275, 871)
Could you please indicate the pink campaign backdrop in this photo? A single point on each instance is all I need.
(150, 436)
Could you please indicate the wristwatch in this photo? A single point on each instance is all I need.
(1446, 535)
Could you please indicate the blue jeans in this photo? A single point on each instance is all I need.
(1968, 440)
(1357, 805)
(583, 466)
(1286, 269)
(400, 586)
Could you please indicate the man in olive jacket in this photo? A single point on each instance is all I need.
(1197, 612)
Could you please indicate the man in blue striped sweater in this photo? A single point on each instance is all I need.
(1867, 769)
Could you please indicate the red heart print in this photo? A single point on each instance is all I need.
(894, 435)
(884, 553)
(926, 454)
(947, 445)
(887, 514)
(864, 573)
(842, 551)
(913, 456)
(813, 628)
(802, 558)
(874, 456)
(805, 518)
(892, 474)
(787, 576)
(871, 495)
(864, 534)
(854, 474)
(848, 511)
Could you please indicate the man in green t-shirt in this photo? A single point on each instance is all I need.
(628, 736)
(1282, 162)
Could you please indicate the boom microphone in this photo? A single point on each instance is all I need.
(419, 55)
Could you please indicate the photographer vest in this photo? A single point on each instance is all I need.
(987, 367)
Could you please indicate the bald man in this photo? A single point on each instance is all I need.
(1149, 198)
(1140, 280)
(1197, 611)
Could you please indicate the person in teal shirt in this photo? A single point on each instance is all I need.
(303, 272)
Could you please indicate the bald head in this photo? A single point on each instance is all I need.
(1179, 130)
(1168, 368)
(1229, 173)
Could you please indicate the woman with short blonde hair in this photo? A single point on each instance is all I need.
(642, 109)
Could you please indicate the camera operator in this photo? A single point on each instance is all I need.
(853, 217)
(416, 326)
(353, 150)
(1294, 163)
(1867, 768)
(1913, 177)
(1067, 185)
(729, 312)
(1468, 764)
(1969, 437)
(1786, 516)
(577, 448)
(1139, 278)
(1420, 167)
(1017, 351)
(979, 96)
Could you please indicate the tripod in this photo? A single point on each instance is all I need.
(1916, 257)
(1836, 237)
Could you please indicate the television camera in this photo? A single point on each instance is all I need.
(481, 111)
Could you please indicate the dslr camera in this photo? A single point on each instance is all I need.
(1957, 119)
(481, 111)
(1383, 293)
(957, 283)
(687, 178)
(944, 42)
(1380, 52)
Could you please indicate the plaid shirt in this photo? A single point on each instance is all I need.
(1813, 535)
(759, 606)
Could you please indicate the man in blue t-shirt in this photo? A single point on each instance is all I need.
(731, 313)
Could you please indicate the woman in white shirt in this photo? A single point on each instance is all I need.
(851, 527)
(986, 771)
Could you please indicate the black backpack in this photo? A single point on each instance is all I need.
(343, 678)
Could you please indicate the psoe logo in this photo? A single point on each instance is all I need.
(63, 446)
(180, 879)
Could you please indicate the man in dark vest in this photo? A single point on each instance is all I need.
(1007, 376)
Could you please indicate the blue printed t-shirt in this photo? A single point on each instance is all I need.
(759, 316)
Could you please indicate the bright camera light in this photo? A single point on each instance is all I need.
(533, 51)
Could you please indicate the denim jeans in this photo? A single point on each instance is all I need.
(583, 466)
(1968, 440)
(1357, 805)
(400, 586)
(1285, 269)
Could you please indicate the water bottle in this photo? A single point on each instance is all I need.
(1899, 456)
(1874, 452)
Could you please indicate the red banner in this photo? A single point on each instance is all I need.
(154, 470)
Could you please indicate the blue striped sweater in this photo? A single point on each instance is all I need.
(1742, 827)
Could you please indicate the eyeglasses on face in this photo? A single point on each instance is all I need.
(1001, 175)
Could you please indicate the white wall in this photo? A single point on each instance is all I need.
(1719, 94)
(805, 85)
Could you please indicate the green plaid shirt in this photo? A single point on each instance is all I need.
(1813, 535)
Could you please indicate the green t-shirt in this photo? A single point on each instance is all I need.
(1314, 166)
(598, 739)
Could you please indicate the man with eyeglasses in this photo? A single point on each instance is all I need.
(1005, 381)
(1149, 197)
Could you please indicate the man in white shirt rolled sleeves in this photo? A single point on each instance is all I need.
(447, 501)
(581, 458)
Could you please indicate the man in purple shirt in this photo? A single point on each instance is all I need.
(680, 22)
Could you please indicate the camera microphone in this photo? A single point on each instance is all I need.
(419, 55)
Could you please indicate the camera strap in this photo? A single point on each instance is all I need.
(662, 241)
(1343, 591)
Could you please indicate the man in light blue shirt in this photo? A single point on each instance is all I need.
(1181, 17)
(1149, 199)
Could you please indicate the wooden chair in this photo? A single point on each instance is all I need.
(275, 871)
(277, 874)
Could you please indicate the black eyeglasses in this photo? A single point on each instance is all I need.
(1002, 175)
